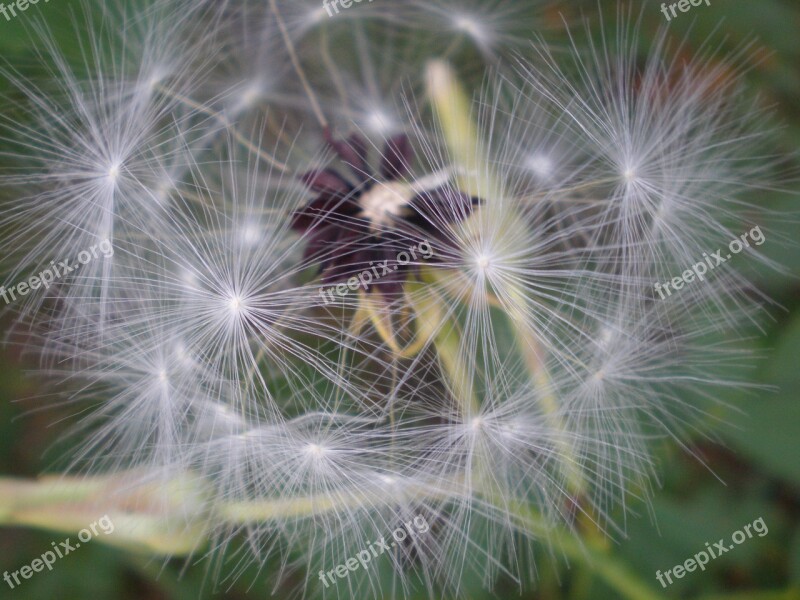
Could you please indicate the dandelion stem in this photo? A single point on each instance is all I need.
(297, 66)
(67, 505)
(595, 556)
(336, 76)
(435, 324)
(533, 354)
(228, 126)
(155, 517)
(452, 282)
(453, 111)
(368, 306)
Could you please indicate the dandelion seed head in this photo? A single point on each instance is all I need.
(315, 451)
(317, 15)
(245, 437)
(162, 191)
(523, 353)
(471, 26)
(183, 355)
(380, 122)
(541, 165)
(629, 175)
(235, 304)
(113, 173)
(251, 94)
(156, 76)
(251, 233)
(483, 261)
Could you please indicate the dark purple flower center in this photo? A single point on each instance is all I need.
(355, 222)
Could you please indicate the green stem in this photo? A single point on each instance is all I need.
(152, 517)
(174, 533)
(595, 555)
(533, 354)
(593, 552)
(434, 324)
(452, 109)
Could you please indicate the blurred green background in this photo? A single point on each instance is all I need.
(756, 464)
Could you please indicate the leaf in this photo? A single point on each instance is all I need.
(769, 431)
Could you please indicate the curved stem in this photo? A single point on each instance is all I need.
(534, 357)
(452, 109)
(298, 67)
(43, 504)
(382, 324)
(228, 126)
(158, 517)
(597, 557)
(435, 325)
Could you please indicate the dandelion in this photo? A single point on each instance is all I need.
(242, 157)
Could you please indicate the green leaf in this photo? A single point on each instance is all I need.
(768, 432)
